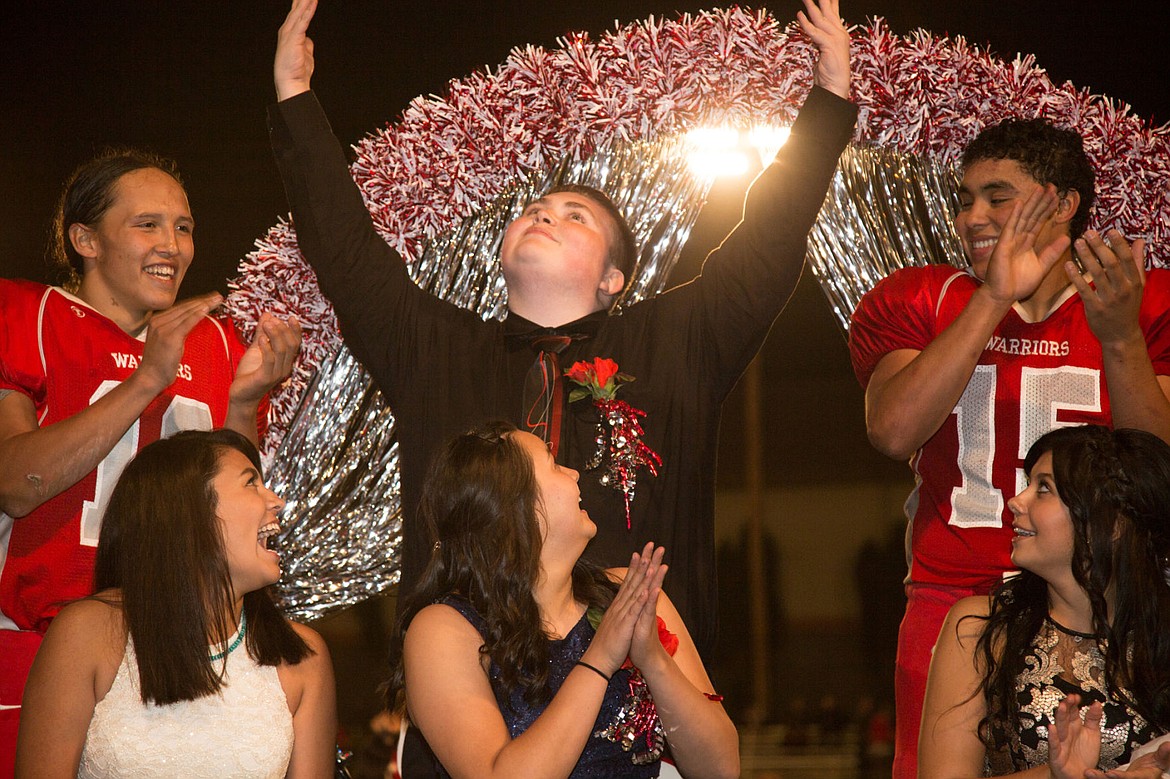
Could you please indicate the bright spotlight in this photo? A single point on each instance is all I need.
(727, 151)
(767, 140)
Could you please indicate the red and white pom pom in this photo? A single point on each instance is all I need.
(918, 94)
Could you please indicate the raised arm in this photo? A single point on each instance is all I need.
(822, 22)
(911, 393)
(377, 304)
(292, 70)
(746, 282)
(38, 463)
(451, 700)
(1137, 397)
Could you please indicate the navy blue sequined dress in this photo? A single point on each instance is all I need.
(602, 757)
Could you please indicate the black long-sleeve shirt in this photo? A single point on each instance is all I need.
(443, 369)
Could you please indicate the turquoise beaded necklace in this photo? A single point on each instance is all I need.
(235, 642)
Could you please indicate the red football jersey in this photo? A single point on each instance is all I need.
(1031, 378)
(64, 355)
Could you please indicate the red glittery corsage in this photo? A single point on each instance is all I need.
(600, 380)
(636, 727)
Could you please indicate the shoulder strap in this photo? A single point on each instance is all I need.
(464, 607)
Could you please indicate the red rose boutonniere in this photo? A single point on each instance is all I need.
(622, 451)
(599, 379)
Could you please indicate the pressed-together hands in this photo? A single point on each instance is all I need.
(822, 23)
(630, 625)
(292, 68)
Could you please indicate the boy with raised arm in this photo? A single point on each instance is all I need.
(568, 257)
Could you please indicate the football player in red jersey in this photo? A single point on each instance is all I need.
(92, 372)
(963, 370)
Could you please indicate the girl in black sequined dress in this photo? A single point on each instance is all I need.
(1064, 671)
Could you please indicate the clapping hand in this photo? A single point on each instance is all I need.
(166, 336)
(1074, 747)
(1118, 273)
(1152, 765)
(268, 361)
(822, 22)
(1018, 265)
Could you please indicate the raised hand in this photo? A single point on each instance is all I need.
(822, 22)
(611, 645)
(1118, 273)
(1074, 747)
(268, 360)
(292, 69)
(166, 335)
(1018, 266)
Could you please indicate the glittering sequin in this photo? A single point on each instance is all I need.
(602, 757)
(636, 727)
(1061, 663)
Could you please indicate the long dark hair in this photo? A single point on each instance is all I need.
(1116, 485)
(161, 545)
(88, 194)
(480, 509)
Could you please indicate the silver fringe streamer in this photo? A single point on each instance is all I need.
(337, 467)
(338, 472)
(885, 210)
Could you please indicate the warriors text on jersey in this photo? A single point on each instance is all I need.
(1032, 377)
(64, 355)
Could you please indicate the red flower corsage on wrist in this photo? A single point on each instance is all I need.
(636, 726)
(600, 380)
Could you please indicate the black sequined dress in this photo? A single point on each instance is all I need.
(1061, 662)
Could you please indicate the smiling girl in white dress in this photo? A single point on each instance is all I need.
(181, 664)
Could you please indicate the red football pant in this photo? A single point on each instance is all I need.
(926, 609)
(18, 648)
